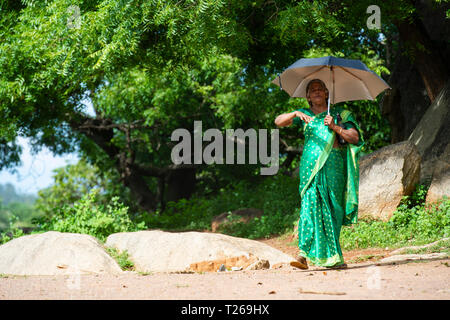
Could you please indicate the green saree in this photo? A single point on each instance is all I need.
(329, 180)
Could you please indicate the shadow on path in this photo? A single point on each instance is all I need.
(375, 263)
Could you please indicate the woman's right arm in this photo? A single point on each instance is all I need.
(286, 119)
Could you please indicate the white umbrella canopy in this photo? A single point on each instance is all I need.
(346, 79)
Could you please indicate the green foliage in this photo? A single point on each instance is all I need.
(16, 209)
(413, 222)
(122, 258)
(149, 67)
(277, 196)
(192, 214)
(12, 231)
(439, 246)
(268, 225)
(89, 217)
(72, 182)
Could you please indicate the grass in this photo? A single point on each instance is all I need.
(413, 223)
(122, 258)
(362, 258)
(442, 246)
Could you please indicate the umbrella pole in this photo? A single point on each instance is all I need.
(331, 85)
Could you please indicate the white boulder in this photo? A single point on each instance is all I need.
(159, 251)
(55, 253)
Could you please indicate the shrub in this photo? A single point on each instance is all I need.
(13, 231)
(277, 196)
(122, 258)
(89, 217)
(414, 222)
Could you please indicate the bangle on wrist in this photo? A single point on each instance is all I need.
(340, 131)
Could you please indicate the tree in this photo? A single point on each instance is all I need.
(147, 67)
(74, 181)
(150, 67)
(403, 19)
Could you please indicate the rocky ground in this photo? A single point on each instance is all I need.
(367, 277)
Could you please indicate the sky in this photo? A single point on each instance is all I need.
(36, 171)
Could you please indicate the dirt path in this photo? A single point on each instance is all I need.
(414, 280)
(365, 278)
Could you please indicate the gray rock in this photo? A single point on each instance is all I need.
(259, 265)
(440, 183)
(432, 135)
(404, 249)
(386, 175)
(159, 251)
(222, 268)
(412, 257)
(55, 253)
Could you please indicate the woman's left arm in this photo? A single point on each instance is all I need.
(350, 135)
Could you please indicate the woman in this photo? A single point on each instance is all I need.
(329, 177)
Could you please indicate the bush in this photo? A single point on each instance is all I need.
(277, 196)
(122, 259)
(264, 227)
(88, 217)
(192, 214)
(413, 223)
(12, 232)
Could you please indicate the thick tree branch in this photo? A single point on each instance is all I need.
(101, 132)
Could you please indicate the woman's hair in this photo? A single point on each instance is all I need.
(323, 86)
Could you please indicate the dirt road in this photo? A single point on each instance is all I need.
(366, 280)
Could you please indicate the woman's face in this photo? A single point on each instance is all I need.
(316, 93)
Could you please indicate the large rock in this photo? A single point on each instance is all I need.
(159, 251)
(405, 258)
(55, 253)
(386, 175)
(432, 135)
(440, 184)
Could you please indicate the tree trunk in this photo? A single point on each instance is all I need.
(425, 57)
(145, 198)
(180, 184)
(100, 131)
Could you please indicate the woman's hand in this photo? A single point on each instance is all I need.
(350, 135)
(286, 119)
(303, 116)
(329, 121)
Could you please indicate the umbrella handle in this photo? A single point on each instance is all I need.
(279, 81)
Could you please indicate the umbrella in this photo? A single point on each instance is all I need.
(346, 79)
